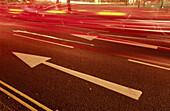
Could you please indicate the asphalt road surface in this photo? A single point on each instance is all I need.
(46, 69)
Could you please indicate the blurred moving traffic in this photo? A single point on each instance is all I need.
(103, 35)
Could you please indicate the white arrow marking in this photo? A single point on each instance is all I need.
(51, 37)
(88, 37)
(33, 60)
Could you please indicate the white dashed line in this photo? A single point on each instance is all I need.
(148, 64)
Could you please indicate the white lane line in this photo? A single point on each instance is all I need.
(52, 37)
(25, 96)
(43, 41)
(90, 37)
(131, 43)
(87, 37)
(148, 64)
(18, 100)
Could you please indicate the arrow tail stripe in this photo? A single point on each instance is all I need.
(132, 93)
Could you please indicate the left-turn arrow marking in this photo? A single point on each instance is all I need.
(34, 60)
(31, 60)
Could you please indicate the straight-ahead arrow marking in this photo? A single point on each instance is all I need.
(34, 60)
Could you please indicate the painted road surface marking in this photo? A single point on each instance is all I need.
(25, 96)
(148, 64)
(18, 100)
(129, 92)
(87, 37)
(43, 41)
(51, 37)
(90, 37)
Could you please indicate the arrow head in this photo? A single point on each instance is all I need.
(31, 60)
(87, 37)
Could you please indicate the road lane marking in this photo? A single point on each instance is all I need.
(129, 43)
(91, 37)
(25, 96)
(87, 37)
(55, 43)
(148, 64)
(129, 92)
(52, 37)
(18, 100)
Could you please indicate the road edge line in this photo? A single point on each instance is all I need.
(25, 96)
(18, 100)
